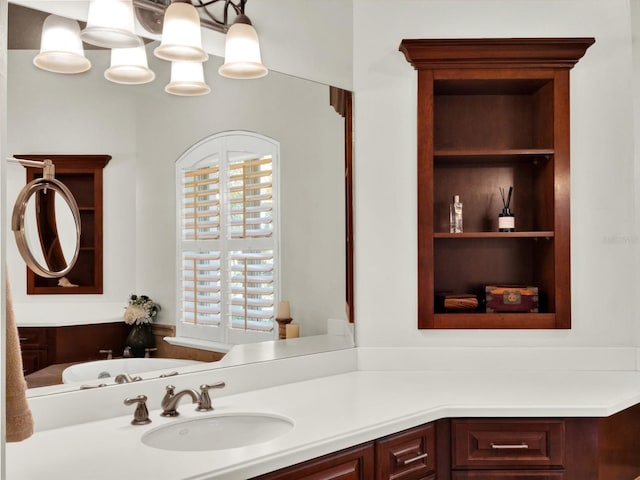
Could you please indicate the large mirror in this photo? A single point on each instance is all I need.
(145, 130)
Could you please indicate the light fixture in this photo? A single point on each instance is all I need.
(181, 36)
(182, 40)
(187, 79)
(110, 24)
(129, 66)
(242, 58)
(60, 47)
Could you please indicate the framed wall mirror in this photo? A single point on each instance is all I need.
(145, 130)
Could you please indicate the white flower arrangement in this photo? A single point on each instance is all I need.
(141, 309)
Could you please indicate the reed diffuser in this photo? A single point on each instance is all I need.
(506, 218)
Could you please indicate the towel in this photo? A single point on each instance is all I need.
(19, 421)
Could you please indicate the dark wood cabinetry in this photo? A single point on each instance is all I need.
(356, 463)
(44, 346)
(82, 174)
(490, 449)
(506, 447)
(408, 455)
(494, 113)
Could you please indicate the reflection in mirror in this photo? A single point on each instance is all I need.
(46, 224)
(145, 130)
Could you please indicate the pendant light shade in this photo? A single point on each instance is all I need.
(60, 47)
(110, 24)
(242, 58)
(181, 35)
(187, 79)
(129, 66)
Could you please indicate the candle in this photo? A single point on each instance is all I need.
(283, 310)
(293, 330)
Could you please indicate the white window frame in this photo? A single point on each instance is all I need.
(200, 155)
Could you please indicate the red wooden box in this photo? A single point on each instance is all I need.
(511, 298)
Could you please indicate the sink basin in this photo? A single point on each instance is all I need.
(218, 432)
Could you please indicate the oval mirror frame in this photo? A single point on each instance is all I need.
(19, 230)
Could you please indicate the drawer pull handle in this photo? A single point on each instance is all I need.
(520, 446)
(416, 458)
(23, 339)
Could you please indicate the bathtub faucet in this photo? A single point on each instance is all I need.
(126, 378)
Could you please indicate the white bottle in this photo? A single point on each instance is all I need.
(455, 215)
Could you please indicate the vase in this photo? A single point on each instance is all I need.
(139, 339)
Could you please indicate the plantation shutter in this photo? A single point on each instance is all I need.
(201, 203)
(227, 242)
(201, 287)
(250, 198)
(252, 290)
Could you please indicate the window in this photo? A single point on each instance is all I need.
(227, 263)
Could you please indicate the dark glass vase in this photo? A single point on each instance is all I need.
(140, 338)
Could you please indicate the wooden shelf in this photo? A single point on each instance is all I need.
(471, 235)
(494, 113)
(492, 156)
(494, 320)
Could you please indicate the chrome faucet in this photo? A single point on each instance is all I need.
(170, 400)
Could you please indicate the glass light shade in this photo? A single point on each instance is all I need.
(187, 79)
(110, 24)
(181, 35)
(242, 58)
(60, 47)
(129, 66)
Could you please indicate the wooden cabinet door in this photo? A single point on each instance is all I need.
(409, 455)
(355, 463)
(508, 475)
(507, 443)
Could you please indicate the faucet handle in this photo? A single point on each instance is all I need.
(87, 387)
(170, 392)
(141, 415)
(109, 353)
(204, 405)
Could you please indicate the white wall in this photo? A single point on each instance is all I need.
(604, 218)
(146, 130)
(635, 35)
(50, 113)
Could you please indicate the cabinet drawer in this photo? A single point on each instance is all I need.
(508, 475)
(408, 455)
(32, 337)
(507, 443)
(33, 360)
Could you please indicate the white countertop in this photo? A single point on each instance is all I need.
(330, 413)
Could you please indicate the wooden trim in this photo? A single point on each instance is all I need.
(495, 52)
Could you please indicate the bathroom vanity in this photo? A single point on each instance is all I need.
(489, 449)
(354, 423)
